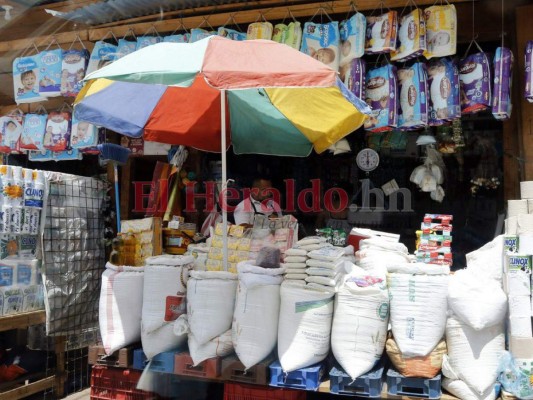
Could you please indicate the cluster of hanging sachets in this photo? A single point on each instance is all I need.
(528, 93)
(290, 34)
(475, 77)
(443, 84)
(321, 41)
(412, 86)
(441, 31)
(381, 96)
(411, 41)
(381, 33)
(503, 77)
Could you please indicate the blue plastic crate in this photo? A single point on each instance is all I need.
(306, 378)
(163, 362)
(367, 385)
(139, 359)
(414, 387)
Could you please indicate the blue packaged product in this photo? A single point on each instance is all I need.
(145, 41)
(83, 134)
(50, 66)
(26, 77)
(321, 41)
(412, 86)
(103, 53)
(182, 38)
(199, 34)
(231, 34)
(126, 47)
(33, 130)
(6, 275)
(352, 38)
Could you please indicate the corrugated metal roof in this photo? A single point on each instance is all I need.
(117, 10)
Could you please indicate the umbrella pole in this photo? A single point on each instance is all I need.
(224, 179)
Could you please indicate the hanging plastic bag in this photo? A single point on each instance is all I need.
(412, 85)
(352, 37)
(503, 78)
(381, 96)
(26, 77)
(441, 31)
(381, 33)
(57, 134)
(321, 41)
(50, 66)
(83, 135)
(411, 36)
(474, 75)
(10, 131)
(33, 130)
(73, 71)
(103, 53)
(443, 84)
(516, 376)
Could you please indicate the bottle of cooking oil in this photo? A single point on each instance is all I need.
(116, 257)
(132, 250)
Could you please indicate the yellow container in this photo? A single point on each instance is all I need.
(175, 241)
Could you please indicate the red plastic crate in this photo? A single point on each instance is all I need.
(117, 384)
(237, 391)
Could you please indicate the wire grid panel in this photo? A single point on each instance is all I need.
(73, 253)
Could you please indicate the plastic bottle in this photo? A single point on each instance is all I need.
(116, 257)
(131, 254)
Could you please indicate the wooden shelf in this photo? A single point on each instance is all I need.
(27, 389)
(23, 320)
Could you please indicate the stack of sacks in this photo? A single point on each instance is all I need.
(418, 305)
(475, 335)
(208, 322)
(325, 268)
(255, 320)
(295, 258)
(304, 329)
(360, 322)
(375, 255)
(165, 280)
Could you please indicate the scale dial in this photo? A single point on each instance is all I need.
(367, 160)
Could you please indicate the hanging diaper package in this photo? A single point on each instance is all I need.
(381, 33)
(83, 134)
(33, 131)
(412, 85)
(231, 34)
(474, 75)
(73, 71)
(199, 34)
(126, 47)
(103, 53)
(291, 34)
(443, 84)
(26, 79)
(182, 38)
(40, 155)
(50, 65)
(411, 36)
(528, 93)
(503, 77)
(57, 134)
(67, 155)
(381, 96)
(353, 75)
(260, 30)
(145, 41)
(10, 131)
(321, 41)
(352, 36)
(441, 31)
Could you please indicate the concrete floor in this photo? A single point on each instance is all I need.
(83, 395)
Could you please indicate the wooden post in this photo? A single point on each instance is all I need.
(60, 376)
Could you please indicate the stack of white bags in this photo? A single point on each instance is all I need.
(325, 268)
(376, 255)
(296, 257)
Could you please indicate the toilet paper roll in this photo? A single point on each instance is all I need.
(516, 207)
(519, 306)
(524, 224)
(526, 190)
(521, 326)
(525, 244)
(511, 225)
(518, 283)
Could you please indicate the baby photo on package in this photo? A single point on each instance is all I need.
(10, 131)
(73, 72)
(50, 64)
(352, 35)
(353, 75)
(57, 134)
(411, 41)
(26, 79)
(83, 134)
(503, 77)
(412, 85)
(126, 47)
(381, 33)
(443, 84)
(231, 34)
(441, 31)
(381, 96)
(103, 53)
(321, 41)
(181, 38)
(528, 92)
(260, 30)
(33, 131)
(474, 76)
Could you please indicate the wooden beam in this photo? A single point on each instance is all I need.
(22, 320)
(28, 389)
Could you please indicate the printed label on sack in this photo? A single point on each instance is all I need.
(510, 244)
(522, 263)
(303, 306)
(383, 311)
(174, 307)
(410, 328)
